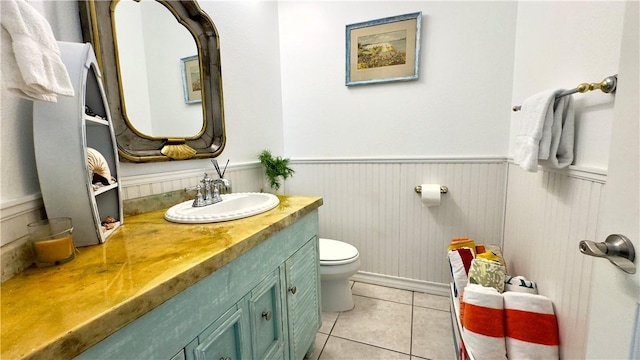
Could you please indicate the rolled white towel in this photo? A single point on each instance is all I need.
(483, 322)
(520, 284)
(531, 326)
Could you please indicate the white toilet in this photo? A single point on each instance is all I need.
(338, 261)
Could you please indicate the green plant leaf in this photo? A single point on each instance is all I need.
(275, 168)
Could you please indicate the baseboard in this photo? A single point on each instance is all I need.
(402, 283)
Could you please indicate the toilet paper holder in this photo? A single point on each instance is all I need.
(617, 248)
(443, 189)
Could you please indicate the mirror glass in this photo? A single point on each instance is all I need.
(159, 70)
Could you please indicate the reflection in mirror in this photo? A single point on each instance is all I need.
(145, 83)
(153, 79)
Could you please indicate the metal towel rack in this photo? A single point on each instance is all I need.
(607, 86)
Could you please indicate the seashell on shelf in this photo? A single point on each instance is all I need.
(98, 165)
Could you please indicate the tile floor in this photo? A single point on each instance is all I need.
(387, 323)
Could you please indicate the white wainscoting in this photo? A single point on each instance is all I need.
(16, 214)
(371, 203)
(247, 177)
(547, 214)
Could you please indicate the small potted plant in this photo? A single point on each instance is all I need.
(275, 168)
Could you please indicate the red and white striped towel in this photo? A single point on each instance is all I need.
(531, 326)
(460, 262)
(483, 323)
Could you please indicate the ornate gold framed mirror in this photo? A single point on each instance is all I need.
(160, 64)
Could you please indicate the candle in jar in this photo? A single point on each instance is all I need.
(50, 251)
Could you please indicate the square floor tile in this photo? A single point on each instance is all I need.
(382, 292)
(432, 336)
(321, 340)
(431, 301)
(341, 349)
(328, 320)
(376, 322)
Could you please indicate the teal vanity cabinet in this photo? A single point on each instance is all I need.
(226, 338)
(265, 304)
(303, 299)
(265, 314)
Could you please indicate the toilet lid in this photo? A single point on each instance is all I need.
(336, 252)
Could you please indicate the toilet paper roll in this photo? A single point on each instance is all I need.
(430, 195)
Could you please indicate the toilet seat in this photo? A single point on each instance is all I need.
(334, 252)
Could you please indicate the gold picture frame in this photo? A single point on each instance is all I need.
(383, 50)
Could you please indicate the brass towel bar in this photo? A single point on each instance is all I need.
(607, 85)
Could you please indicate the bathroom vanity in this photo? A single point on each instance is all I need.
(240, 289)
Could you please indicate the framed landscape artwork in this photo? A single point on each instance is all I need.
(383, 50)
(190, 67)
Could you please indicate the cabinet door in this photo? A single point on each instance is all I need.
(223, 339)
(303, 307)
(266, 319)
(179, 356)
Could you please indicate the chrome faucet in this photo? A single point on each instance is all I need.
(199, 200)
(206, 182)
(211, 192)
(224, 185)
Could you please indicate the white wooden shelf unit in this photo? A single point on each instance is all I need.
(62, 132)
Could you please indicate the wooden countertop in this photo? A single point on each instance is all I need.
(58, 312)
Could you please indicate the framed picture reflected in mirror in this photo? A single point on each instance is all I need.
(191, 84)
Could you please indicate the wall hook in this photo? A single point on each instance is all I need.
(617, 248)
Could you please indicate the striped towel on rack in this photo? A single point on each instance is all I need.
(531, 326)
(460, 261)
(483, 322)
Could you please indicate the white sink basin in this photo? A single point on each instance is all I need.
(232, 207)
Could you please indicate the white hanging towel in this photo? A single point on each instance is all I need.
(536, 135)
(562, 134)
(31, 64)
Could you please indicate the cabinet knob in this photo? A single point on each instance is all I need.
(225, 358)
(293, 290)
(266, 315)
